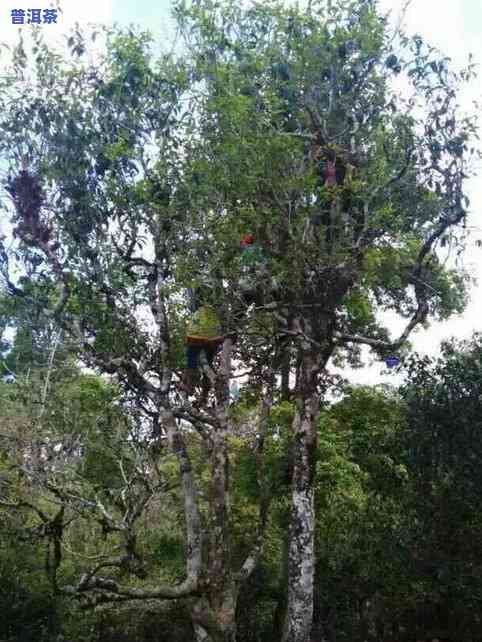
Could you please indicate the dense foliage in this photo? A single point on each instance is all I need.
(398, 533)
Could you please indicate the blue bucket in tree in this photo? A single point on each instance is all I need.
(392, 361)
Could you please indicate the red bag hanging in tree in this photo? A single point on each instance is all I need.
(247, 240)
(330, 174)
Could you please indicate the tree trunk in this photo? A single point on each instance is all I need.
(280, 610)
(214, 614)
(299, 615)
(215, 623)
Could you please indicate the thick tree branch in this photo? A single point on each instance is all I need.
(185, 589)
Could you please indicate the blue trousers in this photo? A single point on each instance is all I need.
(193, 352)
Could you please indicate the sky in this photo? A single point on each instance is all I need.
(455, 26)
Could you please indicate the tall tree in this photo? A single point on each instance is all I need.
(133, 182)
(349, 185)
(102, 228)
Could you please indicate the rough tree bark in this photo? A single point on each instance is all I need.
(214, 613)
(299, 614)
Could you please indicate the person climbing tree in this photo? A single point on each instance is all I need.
(203, 334)
(335, 170)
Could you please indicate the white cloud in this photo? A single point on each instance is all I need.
(442, 23)
(88, 11)
(447, 25)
